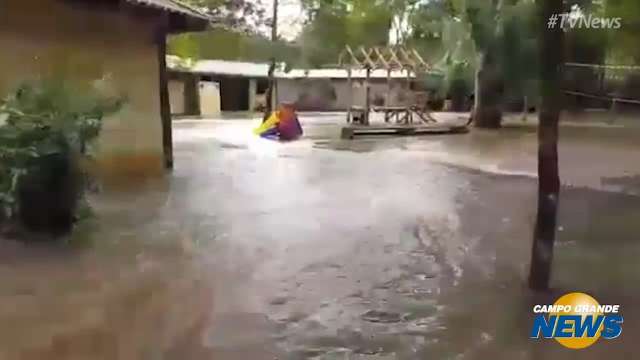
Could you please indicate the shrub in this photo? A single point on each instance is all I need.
(46, 129)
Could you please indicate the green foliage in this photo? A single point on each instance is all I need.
(503, 30)
(185, 46)
(238, 37)
(241, 15)
(623, 42)
(42, 119)
(331, 25)
(458, 78)
(518, 39)
(483, 17)
(227, 45)
(323, 38)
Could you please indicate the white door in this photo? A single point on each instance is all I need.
(176, 96)
(209, 98)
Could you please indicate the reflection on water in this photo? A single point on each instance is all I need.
(261, 250)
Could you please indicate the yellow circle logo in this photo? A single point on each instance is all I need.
(578, 301)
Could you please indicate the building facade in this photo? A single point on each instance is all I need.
(120, 41)
(242, 87)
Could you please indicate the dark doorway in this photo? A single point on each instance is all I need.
(261, 86)
(234, 94)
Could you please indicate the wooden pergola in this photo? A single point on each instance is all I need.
(389, 59)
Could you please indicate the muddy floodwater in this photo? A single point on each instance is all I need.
(375, 248)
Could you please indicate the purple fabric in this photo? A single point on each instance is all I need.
(290, 129)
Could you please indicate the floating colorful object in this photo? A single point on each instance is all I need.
(282, 125)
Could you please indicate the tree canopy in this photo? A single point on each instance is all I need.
(331, 25)
(244, 15)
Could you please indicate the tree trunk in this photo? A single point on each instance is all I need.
(551, 53)
(459, 92)
(268, 109)
(487, 112)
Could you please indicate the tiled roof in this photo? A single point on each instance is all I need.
(174, 6)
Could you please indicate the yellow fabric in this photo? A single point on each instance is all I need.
(272, 121)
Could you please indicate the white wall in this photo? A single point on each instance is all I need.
(334, 95)
(176, 96)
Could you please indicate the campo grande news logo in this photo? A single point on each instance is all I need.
(576, 321)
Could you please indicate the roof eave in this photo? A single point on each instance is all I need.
(181, 17)
(181, 23)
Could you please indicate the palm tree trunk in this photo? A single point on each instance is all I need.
(487, 112)
(551, 53)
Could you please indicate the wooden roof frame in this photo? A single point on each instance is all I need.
(388, 58)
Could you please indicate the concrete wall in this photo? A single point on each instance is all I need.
(74, 40)
(334, 94)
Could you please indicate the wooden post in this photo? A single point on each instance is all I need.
(276, 95)
(612, 110)
(409, 117)
(367, 107)
(551, 59)
(252, 94)
(350, 100)
(192, 94)
(387, 99)
(165, 106)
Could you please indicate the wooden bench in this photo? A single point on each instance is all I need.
(400, 114)
(356, 115)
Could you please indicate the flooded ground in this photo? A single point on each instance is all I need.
(376, 248)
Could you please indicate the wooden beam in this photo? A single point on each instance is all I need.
(424, 64)
(191, 94)
(165, 107)
(341, 58)
(394, 58)
(381, 58)
(350, 102)
(367, 107)
(367, 58)
(354, 58)
(388, 95)
(407, 59)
